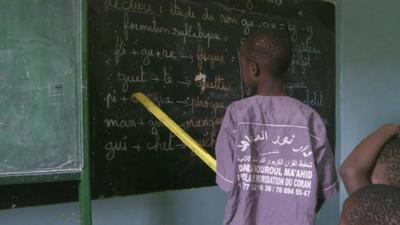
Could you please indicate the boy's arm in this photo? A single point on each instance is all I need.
(355, 170)
(324, 162)
(224, 153)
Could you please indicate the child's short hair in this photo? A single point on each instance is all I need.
(269, 48)
(376, 204)
(389, 157)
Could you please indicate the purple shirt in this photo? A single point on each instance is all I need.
(274, 160)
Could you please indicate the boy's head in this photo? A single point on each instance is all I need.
(265, 52)
(387, 167)
(376, 204)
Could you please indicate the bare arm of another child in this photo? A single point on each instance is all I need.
(356, 169)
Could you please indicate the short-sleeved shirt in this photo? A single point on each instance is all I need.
(274, 159)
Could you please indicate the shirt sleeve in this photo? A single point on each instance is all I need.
(325, 163)
(224, 151)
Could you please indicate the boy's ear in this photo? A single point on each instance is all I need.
(254, 69)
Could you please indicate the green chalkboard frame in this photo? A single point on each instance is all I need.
(41, 81)
(84, 185)
(83, 120)
(82, 109)
(82, 175)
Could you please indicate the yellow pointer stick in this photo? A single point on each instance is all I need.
(174, 128)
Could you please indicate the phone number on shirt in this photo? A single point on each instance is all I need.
(275, 189)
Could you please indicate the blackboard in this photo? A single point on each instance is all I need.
(41, 97)
(184, 55)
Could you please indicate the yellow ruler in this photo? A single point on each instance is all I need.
(179, 132)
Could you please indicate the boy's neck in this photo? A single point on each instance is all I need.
(270, 86)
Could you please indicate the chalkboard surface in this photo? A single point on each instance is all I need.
(40, 87)
(184, 55)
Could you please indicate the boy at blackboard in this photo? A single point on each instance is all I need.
(375, 160)
(376, 204)
(273, 156)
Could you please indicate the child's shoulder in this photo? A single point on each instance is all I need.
(277, 102)
(276, 108)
